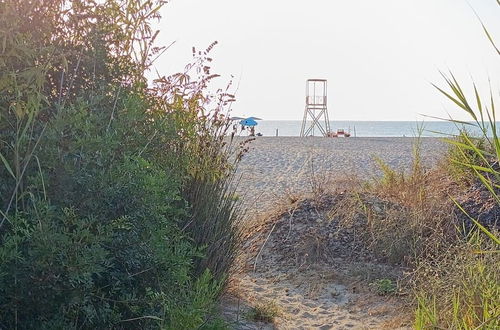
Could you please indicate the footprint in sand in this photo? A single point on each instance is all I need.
(311, 304)
(325, 312)
(258, 289)
(307, 315)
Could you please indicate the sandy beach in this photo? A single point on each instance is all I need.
(292, 165)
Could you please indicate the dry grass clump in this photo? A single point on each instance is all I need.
(264, 312)
(402, 217)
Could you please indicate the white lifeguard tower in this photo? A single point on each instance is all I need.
(316, 112)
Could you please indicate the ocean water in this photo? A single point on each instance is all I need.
(364, 128)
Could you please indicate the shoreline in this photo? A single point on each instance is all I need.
(363, 128)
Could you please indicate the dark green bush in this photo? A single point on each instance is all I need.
(106, 185)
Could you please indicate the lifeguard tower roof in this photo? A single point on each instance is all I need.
(316, 79)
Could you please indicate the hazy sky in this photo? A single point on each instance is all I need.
(379, 56)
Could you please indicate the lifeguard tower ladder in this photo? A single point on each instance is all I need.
(316, 112)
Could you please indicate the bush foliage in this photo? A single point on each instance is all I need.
(101, 214)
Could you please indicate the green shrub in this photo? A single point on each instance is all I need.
(384, 286)
(103, 217)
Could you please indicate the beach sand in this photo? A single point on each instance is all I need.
(275, 166)
(277, 171)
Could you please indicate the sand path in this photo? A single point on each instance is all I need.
(275, 172)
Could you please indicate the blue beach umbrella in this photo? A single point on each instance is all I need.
(248, 122)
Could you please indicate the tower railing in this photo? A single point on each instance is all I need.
(316, 100)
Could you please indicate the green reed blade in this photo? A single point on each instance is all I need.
(7, 166)
(481, 227)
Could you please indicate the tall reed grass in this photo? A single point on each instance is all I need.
(465, 292)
